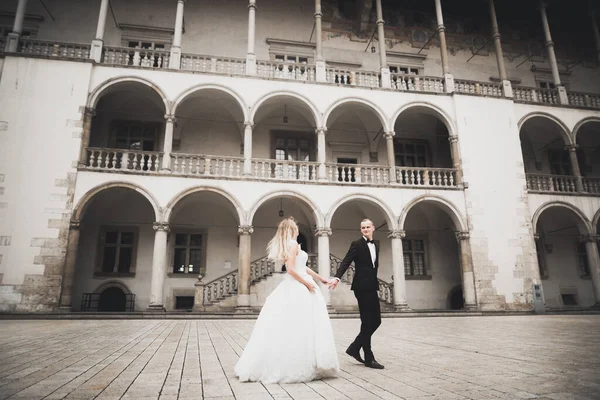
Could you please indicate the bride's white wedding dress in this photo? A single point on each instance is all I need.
(292, 340)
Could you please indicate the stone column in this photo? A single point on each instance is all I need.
(441, 28)
(248, 125)
(506, 86)
(385, 71)
(159, 266)
(400, 302)
(320, 72)
(324, 263)
(12, 40)
(572, 149)
(468, 278)
(453, 139)
(66, 301)
(167, 143)
(321, 154)
(596, 31)
(98, 42)
(562, 93)
(389, 141)
(88, 115)
(251, 56)
(591, 249)
(243, 297)
(175, 57)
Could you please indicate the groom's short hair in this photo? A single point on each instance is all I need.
(367, 220)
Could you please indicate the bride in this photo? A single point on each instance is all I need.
(292, 340)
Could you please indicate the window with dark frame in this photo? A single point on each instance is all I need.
(188, 253)
(414, 257)
(560, 162)
(292, 148)
(118, 247)
(157, 59)
(409, 153)
(135, 135)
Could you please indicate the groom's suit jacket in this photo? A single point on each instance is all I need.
(365, 276)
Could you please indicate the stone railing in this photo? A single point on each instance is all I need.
(206, 165)
(122, 160)
(54, 49)
(127, 56)
(357, 173)
(285, 170)
(587, 100)
(219, 65)
(417, 83)
(535, 95)
(286, 70)
(551, 183)
(591, 185)
(343, 76)
(386, 290)
(426, 177)
(478, 88)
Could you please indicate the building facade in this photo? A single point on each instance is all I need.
(138, 173)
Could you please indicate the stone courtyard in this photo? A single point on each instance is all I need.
(443, 358)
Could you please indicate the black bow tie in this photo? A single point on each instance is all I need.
(369, 241)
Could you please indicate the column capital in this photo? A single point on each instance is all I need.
(453, 139)
(380, 22)
(181, 1)
(536, 236)
(441, 28)
(389, 135)
(396, 234)
(462, 235)
(170, 118)
(252, 5)
(542, 5)
(161, 226)
(323, 232)
(249, 124)
(571, 147)
(75, 224)
(321, 130)
(318, 14)
(89, 112)
(496, 35)
(245, 230)
(589, 238)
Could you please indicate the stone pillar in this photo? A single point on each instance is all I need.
(506, 86)
(453, 139)
(243, 297)
(441, 28)
(175, 57)
(400, 302)
(88, 115)
(251, 56)
(12, 40)
(167, 143)
(320, 73)
(468, 278)
(562, 93)
(591, 248)
(323, 260)
(321, 154)
(159, 266)
(389, 141)
(248, 125)
(68, 276)
(199, 294)
(596, 31)
(385, 71)
(572, 149)
(98, 42)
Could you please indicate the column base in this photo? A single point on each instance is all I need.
(507, 89)
(164, 171)
(175, 58)
(470, 307)
(65, 308)
(243, 300)
(386, 80)
(402, 307)
(96, 50)
(251, 64)
(157, 308)
(12, 42)
(320, 71)
(563, 99)
(448, 83)
(243, 310)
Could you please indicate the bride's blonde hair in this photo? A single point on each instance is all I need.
(279, 247)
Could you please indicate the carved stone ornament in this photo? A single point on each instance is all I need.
(245, 230)
(161, 226)
(397, 234)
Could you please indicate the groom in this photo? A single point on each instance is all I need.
(365, 255)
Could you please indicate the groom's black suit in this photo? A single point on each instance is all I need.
(365, 286)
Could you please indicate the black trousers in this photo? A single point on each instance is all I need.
(370, 318)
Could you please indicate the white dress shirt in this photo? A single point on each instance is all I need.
(372, 250)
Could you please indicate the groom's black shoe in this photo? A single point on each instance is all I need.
(373, 364)
(354, 351)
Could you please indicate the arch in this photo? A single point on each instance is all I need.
(596, 221)
(580, 124)
(85, 199)
(454, 213)
(234, 201)
(438, 112)
(564, 129)
(286, 193)
(389, 215)
(550, 204)
(112, 283)
(184, 95)
(95, 94)
(380, 114)
(300, 97)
